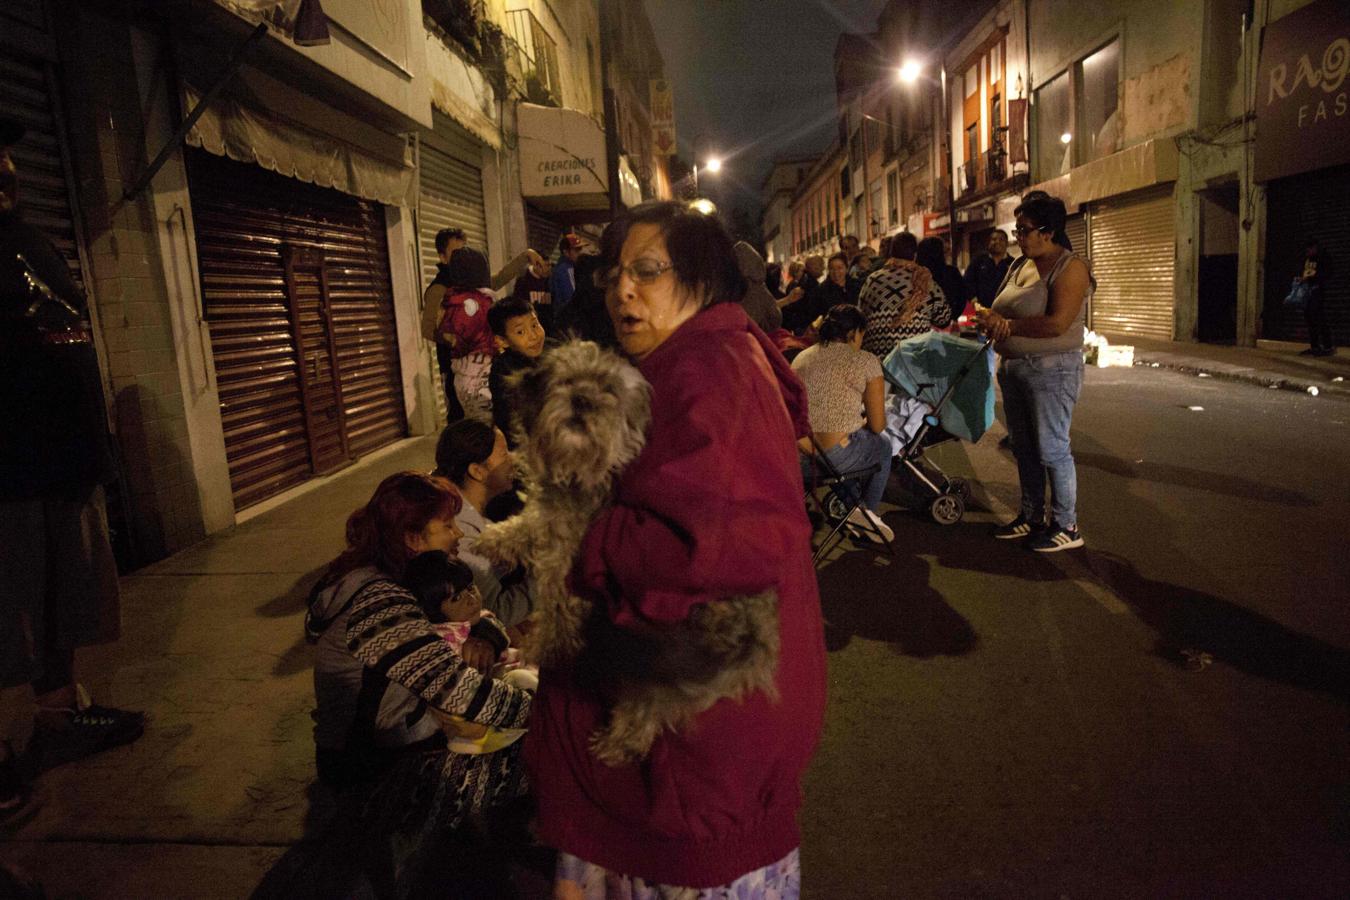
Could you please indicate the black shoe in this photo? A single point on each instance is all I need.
(65, 735)
(1311, 351)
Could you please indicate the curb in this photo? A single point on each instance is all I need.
(1266, 379)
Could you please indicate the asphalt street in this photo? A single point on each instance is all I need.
(1003, 723)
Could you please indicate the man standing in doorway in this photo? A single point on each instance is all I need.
(448, 240)
(985, 272)
(563, 281)
(1315, 271)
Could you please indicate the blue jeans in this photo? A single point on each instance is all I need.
(1039, 394)
(865, 448)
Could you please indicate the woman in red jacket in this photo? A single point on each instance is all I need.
(711, 509)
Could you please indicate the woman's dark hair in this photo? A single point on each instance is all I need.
(932, 255)
(433, 576)
(1047, 213)
(462, 444)
(903, 245)
(700, 249)
(468, 269)
(377, 533)
(842, 320)
(446, 235)
(842, 257)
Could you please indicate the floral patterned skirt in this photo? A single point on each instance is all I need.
(580, 880)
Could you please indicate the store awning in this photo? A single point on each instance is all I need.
(245, 123)
(562, 159)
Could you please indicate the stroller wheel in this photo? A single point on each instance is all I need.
(959, 486)
(947, 509)
(835, 508)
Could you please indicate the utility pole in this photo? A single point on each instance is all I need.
(609, 22)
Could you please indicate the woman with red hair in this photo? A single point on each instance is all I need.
(385, 683)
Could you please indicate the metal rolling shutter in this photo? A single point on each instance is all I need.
(1075, 227)
(1315, 205)
(244, 215)
(1133, 244)
(542, 232)
(451, 196)
(28, 93)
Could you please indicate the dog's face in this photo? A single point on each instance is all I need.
(582, 415)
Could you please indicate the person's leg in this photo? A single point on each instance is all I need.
(453, 411)
(1054, 391)
(1320, 333)
(1017, 410)
(874, 449)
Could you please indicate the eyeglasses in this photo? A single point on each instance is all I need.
(1022, 231)
(643, 271)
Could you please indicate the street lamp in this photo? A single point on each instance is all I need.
(909, 73)
(713, 163)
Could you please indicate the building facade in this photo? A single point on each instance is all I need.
(249, 194)
(776, 194)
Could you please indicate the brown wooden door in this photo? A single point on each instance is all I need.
(316, 354)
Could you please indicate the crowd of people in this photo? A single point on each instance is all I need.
(429, 718)
(422, 694)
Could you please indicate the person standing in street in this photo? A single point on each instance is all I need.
(58, 578)
(901, 299)
(932, 255)
(985, 272)
(850, 247)
(836, 288)
(533, 287)
(563, 281)
(1037, 324)
(800, 313)
(1315, 271)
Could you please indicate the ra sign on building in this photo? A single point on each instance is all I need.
(663, 117)
(1303, 96)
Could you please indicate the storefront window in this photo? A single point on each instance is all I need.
(1054, 129)
(1099, 74)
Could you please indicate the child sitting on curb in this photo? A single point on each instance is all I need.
(446, 593)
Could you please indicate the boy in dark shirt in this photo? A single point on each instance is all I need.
(520, 340)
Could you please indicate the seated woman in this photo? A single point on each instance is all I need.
(385, 682)
(841, 379)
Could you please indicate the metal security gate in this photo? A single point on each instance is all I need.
(1075, 226)
(1133, 251)
(450, 195)
(295, 282)
(542, 232)
(1315, 206)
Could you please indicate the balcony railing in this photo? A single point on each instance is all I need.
(538, 57)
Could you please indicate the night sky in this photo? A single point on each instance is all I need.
(756, 77)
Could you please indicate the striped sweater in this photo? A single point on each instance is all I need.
(385, 630)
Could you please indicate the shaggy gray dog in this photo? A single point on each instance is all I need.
(581, 415)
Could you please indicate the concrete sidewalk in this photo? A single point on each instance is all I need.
(221, 784)
(1272, 364)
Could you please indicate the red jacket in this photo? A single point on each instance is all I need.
(466, 318)
(712, 508)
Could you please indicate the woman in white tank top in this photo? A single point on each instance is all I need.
(1036, 324)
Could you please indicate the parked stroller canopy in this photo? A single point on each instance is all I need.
(926, 367)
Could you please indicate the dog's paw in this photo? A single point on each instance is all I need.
(502, 542)
(616, 747)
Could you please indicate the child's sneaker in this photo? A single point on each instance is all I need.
(1055, 539)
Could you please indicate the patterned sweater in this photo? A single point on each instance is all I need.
(385, 630)
(900, 300)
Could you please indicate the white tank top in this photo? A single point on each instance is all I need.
(1015, 301)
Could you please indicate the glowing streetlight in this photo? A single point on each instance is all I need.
(1066, 138)
(713, 165)
(910, 71)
